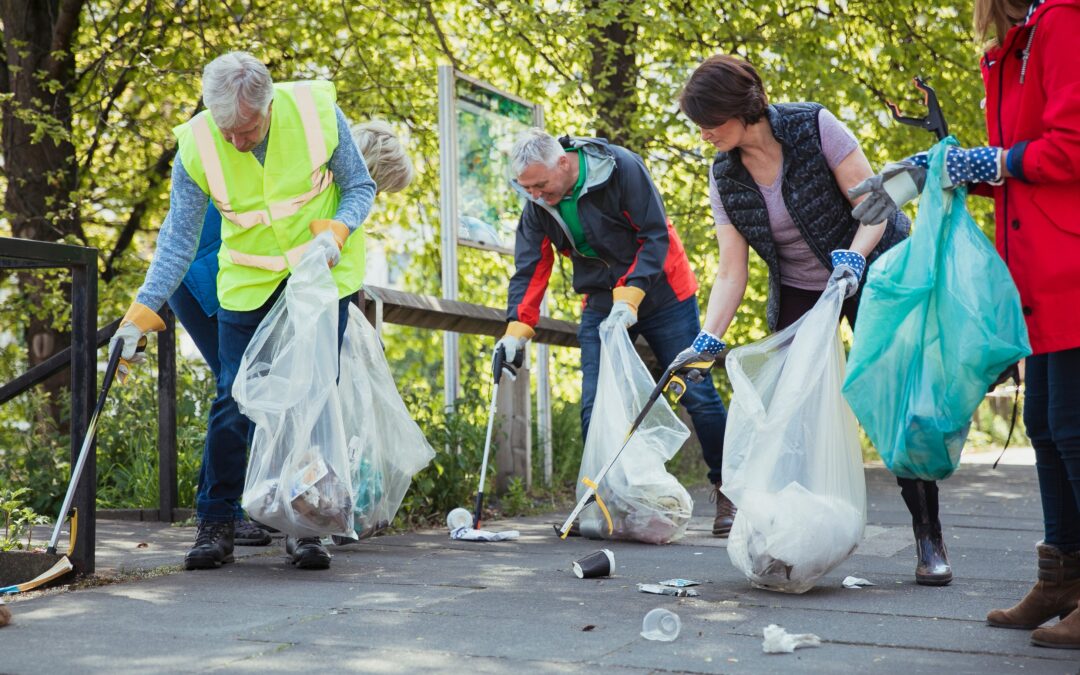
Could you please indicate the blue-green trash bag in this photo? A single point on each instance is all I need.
(939, 320)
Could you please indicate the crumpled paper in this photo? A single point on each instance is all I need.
(857, 582)
(470, 534)
(779, 641)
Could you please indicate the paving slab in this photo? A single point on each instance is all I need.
(419, 602)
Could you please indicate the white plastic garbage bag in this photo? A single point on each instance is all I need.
(646, 502)
(298, 472)
(386, 447)
(792, 460)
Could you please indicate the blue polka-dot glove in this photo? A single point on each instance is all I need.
(848, 265)
(705, 349)
(966, 165)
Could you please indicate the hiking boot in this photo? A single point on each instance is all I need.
(725, 513)
(933, 567)
(1056, 593)
(247, 533)
(307, 553)
(1063, 635)
(213, 546)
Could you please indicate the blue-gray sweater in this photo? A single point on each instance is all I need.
(179, 237)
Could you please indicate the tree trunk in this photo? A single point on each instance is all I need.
(39, 158)
(613, 75)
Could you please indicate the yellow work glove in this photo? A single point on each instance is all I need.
(330, 236)
(625, 305)
(131, 335)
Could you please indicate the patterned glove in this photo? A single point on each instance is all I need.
(848, 265)
(705, 348)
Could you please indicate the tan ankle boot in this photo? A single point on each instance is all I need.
(1056, 593)
(725, 513)
(1062, 635)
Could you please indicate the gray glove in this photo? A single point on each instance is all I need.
(896, 185)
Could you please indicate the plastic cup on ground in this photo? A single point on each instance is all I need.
(597, 564)
(661, 625)
(459, 518)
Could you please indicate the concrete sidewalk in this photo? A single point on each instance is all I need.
(420, 602)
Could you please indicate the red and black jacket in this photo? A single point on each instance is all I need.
(623, 220)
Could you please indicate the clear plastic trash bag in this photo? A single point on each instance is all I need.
(646, 502)
(939, 320)
(792, 460)
(386, 447)
(298, 475)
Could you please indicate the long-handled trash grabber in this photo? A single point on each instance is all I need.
(672, 378)
(934, 122)
(88, 440)
(51, 566)
(499, 365)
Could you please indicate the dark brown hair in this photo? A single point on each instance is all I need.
(722, 88)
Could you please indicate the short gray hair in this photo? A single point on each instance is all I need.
(236, 80)
(534, 145)
(385, 156)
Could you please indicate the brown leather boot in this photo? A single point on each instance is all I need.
(1056, 593)
(932, 568)
(725, 513)
(1063, 635)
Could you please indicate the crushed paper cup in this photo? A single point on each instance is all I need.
(779, 641)
(856, 582)
(469, 534)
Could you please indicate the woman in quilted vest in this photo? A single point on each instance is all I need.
(778, 185)
(1031, 167)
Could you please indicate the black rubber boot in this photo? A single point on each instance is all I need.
(307, 553)
(933, 567)
(213, 546)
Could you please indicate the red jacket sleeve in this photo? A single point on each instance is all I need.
(1054, 157)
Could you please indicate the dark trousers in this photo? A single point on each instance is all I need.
(668, 331)
(920, 496)
(1052, 417)
(203, 329)
(224, 461)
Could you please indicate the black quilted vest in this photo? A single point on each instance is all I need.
(820, 210)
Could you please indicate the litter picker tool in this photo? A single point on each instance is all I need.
(673, 379)
(499, 365)
(934, 121)
(52, 566)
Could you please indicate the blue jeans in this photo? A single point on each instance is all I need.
(1052, 417)
(202, 329)
(224, 461)
(668, 331)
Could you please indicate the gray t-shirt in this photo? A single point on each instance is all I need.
(799, 267)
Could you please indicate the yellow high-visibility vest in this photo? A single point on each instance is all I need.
(266, 208)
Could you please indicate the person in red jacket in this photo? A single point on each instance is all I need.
(1031, 71)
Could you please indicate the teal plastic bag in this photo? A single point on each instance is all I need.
(939, 320)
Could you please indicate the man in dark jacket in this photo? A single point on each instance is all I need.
(595, 203)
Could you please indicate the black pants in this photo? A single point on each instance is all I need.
(920, 496)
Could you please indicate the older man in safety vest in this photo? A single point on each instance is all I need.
(280, 165)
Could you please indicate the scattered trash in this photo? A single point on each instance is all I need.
(458, 518)
(5, 614)
(589, 628)
(660, 625)
(856, 582)
(142, 544)
(680, 583)
(657, 589)
(779, 641)
(597, 564)
(470, 534)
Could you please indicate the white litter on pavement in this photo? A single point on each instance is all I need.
(856, 582)
(779, 641)
(470, 534)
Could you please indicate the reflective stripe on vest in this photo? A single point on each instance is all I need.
(321, 176)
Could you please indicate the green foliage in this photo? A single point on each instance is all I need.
(19, 519)
(137, 76)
